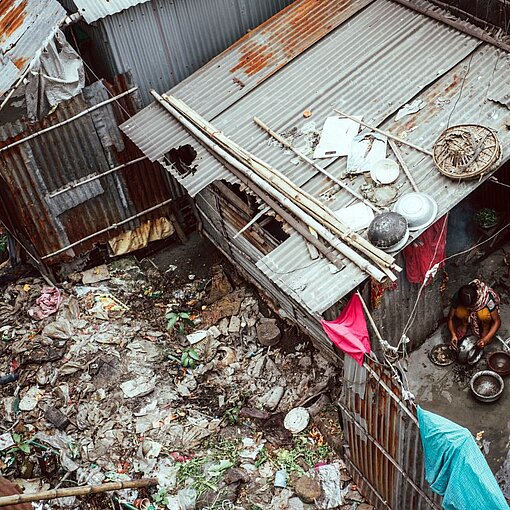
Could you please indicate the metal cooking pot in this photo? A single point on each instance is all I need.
(387, 229)
(469, 353)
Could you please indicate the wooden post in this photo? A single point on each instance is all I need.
(16, 499)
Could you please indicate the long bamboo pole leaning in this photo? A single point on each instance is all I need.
(290, 194)
(312, 205)
(211, 143)
(385, 133)
(278, 179)
(323, 171)
(17, 499)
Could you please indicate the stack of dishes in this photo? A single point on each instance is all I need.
(419, 209)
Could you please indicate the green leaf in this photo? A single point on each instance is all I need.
(181, 328)
(189, 322)
(171, 321)
(184, 315)
(184, 358)
(16, 437)
(194, 354)
(24, 447)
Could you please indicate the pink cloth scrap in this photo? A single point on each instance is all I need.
(426, 252)
(47, 303)
(349, 330)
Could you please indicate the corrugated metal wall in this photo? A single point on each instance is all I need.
(164, 41)
(385, 453)
(34, 170)
(394, 309)
(244, 255)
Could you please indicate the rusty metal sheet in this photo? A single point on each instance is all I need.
(384, 442)
(230, 76)
(25, 28)
(89, 145)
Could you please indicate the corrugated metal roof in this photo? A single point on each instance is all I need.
(385, 56)
(92, 10)
(222, 83)
(25, 28)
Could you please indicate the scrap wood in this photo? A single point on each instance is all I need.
(76, 491)
(308, 208)
(400, 159)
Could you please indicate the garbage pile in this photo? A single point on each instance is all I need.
(123, 372)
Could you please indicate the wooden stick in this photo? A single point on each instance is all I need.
(76, 491)
(370, 318)
(316, 209)
(400, 159)
(385, 133)
(211, 137)
(286, 144)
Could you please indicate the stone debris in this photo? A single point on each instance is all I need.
(268, 332)
(307, 489)
(139, 374)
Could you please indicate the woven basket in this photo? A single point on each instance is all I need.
(466, 151)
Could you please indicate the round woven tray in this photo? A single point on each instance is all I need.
(466, 151)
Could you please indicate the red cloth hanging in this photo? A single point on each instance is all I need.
(419, 255)
(349, 330)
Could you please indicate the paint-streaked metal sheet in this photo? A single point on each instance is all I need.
(25, 28)
(375, 423)
(162, 42)
(92, 10)
(31, 171)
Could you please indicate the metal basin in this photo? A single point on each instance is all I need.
(487, 386)
(499, 362)
(469, 353)
(387, 230)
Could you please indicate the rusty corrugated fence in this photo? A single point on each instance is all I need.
(384, 451)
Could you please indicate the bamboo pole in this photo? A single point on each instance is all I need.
(77, 184)
(67, 121)
(370, 318)
(400, 159)
(323, 171)
(212, 144)
(107, 229)
(17, 499)
(385, 133)
(311, 204)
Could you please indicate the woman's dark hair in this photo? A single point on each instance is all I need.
(467, 295)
